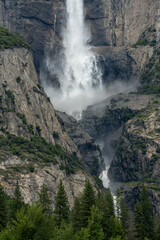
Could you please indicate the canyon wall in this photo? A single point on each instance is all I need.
(115, 26)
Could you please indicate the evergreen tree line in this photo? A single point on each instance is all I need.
(91, 218)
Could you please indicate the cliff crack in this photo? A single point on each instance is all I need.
(44, 22)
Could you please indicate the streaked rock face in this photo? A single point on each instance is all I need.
(115, 27)
(29, 99)
(30, 183)
(120, 23)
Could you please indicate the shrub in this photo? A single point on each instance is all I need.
(22, 117)
(18, 79)
(9, 40)
(55, 134)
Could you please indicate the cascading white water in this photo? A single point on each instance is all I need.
(80, 69)
(80, 79)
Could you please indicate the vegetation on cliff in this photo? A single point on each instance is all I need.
(9, 40)
(37, 150)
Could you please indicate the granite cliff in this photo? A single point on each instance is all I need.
(35, 148)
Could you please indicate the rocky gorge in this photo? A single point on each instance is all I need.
(126, 37)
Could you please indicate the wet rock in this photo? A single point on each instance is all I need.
(89, 150)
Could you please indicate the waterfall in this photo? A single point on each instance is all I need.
(80, 69)
(80, 77)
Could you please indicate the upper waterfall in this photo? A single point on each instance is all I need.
(80, 69)
(80, 78)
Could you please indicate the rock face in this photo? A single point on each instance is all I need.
(137, 157)
(89, 150)
(115, 26)
(30, 183)
(21, 94)
(128, 125)
(28, 125)
(120, 23)
(104, 121)
(39, 22)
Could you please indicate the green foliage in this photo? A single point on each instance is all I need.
(38, 129)
(28, 99)
(76, 215)
(9, 40)
(144, 217)
(106, 206)
(151, 74)
(140, 145)
(17, 201)
(3, 217)
(18, 79)
(39, 86)
(10, 96)
(149, 88)
(55, 135)
(48, 99)
(158, 150)
(141, 42)
(29, 224)
(64, 233)
(94, 229)
(1, 99)
(68, 169)
(45, 199)
(34, 223)
(22, 117)
(117, 229)
(116, 238)
(38, 150)
(87, 201)
(122, 210)
(61, 205)
(31, 129)
(31, 168)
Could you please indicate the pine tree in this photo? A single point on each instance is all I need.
(144, 217)
(18, 199)
(122, 210)
(130, 231)
(117, 230)
(76, 220)
(108, 215)
(100, 200)
(94, 229)
(65, 232)
(30, 223)
(124, 215)
(109, 201)
(61, 205)
(45, 200)
(87, 201)
(3, 213)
